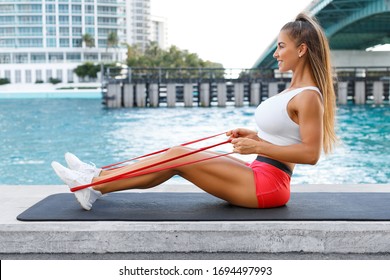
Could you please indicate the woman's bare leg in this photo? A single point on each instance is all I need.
(151, 160)
(224, 177)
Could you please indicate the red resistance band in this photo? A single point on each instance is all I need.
(142, 170)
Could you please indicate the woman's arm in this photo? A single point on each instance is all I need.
(308, 110)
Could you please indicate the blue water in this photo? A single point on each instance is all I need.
(36, 131)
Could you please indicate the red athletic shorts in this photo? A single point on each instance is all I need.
(272, 179)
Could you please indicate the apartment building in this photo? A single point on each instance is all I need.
(43, 39)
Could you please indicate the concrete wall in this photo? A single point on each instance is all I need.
(353, 58)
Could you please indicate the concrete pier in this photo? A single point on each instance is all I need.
(129, 95)
(262, 239)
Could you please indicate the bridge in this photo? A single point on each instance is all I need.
(350, 25)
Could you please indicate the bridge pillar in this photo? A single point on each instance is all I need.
(140, 95)
(128, 97)
(188, 90)
(239, 94)
(255, 94)
(342, 93)
(114, 92)
(221, 94)
(205, 95)
(171, 95)
(153, 95)
(360, 92)
(273, 89)
(378, 92)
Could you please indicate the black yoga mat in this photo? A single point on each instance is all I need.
(128, 206)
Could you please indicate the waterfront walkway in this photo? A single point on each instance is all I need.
(186, 240)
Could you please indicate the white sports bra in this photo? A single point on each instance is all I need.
(274, 123)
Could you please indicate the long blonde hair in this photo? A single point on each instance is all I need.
(307, 30)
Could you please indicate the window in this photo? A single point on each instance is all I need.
(64, 31)
(50, 20)
(73, 57)
(18, 76)
(91, 57)
(64, 42)
(38, 74)
(77, 43)
(29, 19)
(64, 19)
(50, 8)
(7, 74)
(89, 20)
(5, 58)
(77, 31)
(38, 58)
(20, 58)
(76, 9)
(70, 76)
(89, 9)
(28, 76)
(48, 75)
(59, 74)
(90, 30)
(56, 57)
(76, 20)
(5, 20)
(51, 42)
(63, 9)
(50, 31)
(30, 42)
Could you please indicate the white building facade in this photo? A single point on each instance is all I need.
(159, 31)
(42, 40)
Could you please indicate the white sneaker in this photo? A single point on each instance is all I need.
(75, 163)
(86, 197)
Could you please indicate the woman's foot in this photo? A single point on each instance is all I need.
(86, 197)
(75, 163)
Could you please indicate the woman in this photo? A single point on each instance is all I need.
(293, 127)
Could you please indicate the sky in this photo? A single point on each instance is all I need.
(232, 32)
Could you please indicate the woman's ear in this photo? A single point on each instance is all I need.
(302, 49)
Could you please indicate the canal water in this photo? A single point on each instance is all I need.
(36, 131)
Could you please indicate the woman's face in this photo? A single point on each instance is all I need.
(286, 52)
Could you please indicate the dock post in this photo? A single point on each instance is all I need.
(378, 92)
(153, 95)
(273, 89)
(114, 95)
(171, 95)
(128, 92)
(239, 94)
(205, 95)
(360, 92)
(188, 95)
(255, 94)
(342, 93)
(221, 94)
(140, 95)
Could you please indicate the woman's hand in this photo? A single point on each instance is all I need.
(242, 132)
(245, 146)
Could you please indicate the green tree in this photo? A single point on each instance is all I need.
(88, 40)
(87, 69)
(112, 40)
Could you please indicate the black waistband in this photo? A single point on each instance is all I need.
(275, 163)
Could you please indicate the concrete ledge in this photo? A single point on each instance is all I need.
(269, 237)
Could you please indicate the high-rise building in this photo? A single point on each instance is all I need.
(158, 31)
(43, 39)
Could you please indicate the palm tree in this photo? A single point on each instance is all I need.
(112, 40)
(88, 40)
